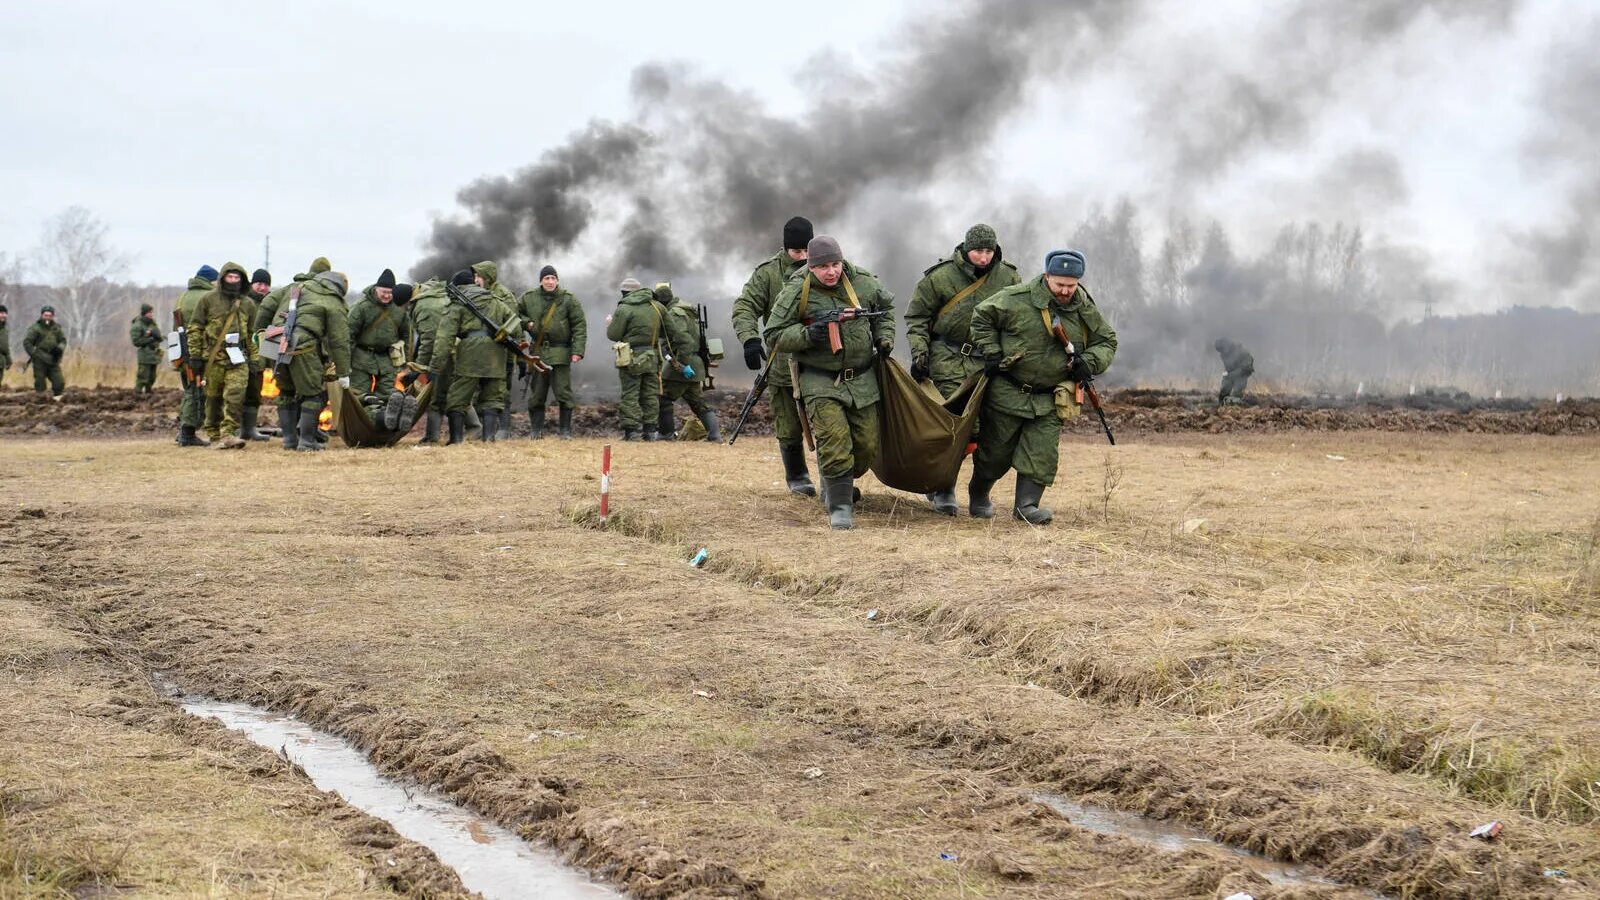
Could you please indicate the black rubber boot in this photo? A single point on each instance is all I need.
(431, 434)
(458, 428)
(978, 502)
(491, 425)
(247, 424)
(713, 432)
(666, 422)
(839, 498)
(502, 424)
(1027, 508)
(795, 472)
(944, 502)
(308, 430)
(650, 434)
(188, 438)
(535, 423)
(288, 425)
(408, 414)
(566, 423)
(392, 410)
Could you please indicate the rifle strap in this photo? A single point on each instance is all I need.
(222, 336)
(538, 339)
(366, 332)
(805, 295)
(963, 294)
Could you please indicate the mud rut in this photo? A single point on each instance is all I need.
(910, 731)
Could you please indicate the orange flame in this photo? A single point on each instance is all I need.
(269, 385)
(325, 419)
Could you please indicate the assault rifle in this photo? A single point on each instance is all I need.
(750, 401)
(834, 317)
(705, 347)
(1086, 384)
(525, 357)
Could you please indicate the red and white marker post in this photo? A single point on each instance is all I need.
(605, 485)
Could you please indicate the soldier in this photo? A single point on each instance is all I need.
(559, 334)
(939, 314)
(487, 276)
(683, 334)
(750, 311)
(218, 347)
(376, 327)
(5, 343)
(260, 287)
(274, 301)
(321, 339)
(1034, 379)
(191, 412)
(839, 390)
(479, 363)
(148, 341)
(427, 307)
(1239, 365)
(638, 322)
(45, 343)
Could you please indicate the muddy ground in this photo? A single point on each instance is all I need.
(1340, 650)
(114, 412)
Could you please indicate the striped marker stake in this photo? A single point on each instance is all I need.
(605, 485)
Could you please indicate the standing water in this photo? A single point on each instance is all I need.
(489, 859)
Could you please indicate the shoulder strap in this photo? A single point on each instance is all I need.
(963, 294)
(367, 331)
(233, 316)
(538, 339)
(850, 292)
(805, 297)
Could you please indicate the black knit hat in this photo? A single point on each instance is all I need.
(386, 279)
(4, 310)
(462, 278)
(261, 276)
(402, 294)
(797, 233)
(146, 308)
(547, 270)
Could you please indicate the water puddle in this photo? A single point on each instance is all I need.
(1172, 836)
(490, 859)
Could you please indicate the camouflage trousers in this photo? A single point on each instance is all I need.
(785, 418)
(376, 379)
(641, 392)
(484, 393)
(1031, 445)
(541, 384)
(144, 378)
(225, 386)
(301, 384)
(690, 392)
(847, 436)
(191, 412)
(49, 372)
(1233, 385)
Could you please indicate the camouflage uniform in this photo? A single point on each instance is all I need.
(938, 337)
(45, 343)
(1021, 425)
(558, 331)
(191, 413)
(374, 327)
(640, 322)
(148, 340)
(1239, 365)
(490, 273)
(218, 314)
(479, 363)
(683, 336)
(840, 390)
(5, 350)
(752, 308)
(321, 339)
(427, 306)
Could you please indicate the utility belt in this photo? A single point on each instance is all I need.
(380, 349)
(1027, 388)
(840, 376)
(641, 348)
(476, 332)
(961, 347)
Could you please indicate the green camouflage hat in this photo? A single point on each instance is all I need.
(981, 237)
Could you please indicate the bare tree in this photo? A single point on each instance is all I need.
(80, 265)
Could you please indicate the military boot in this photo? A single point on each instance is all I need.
(458, 428)
(247, 424)
(1027, 508)
(309, 429)
(392, 410)
(408, 414)
(794, 471)
(502, 424)
(288, 422)
(188, 438)
(650, 434)
(566, 423)
(978, 502)
(535, 423)
(630, 434)
(474, 424)
(491, 425)
(713, 433)
(839, 498)
(431, 433)
(666, 423)
(944, 502)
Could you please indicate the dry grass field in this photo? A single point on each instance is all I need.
(1339, 650)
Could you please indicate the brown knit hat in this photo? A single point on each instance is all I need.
(823, 250)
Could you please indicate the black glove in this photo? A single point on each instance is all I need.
(755, 354)
(885, 348)
(991, 364)
(919, 367)
(817, 333)
(1079, 370)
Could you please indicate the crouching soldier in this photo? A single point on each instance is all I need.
(1023, 334)
(836, 320)
(1238, 365)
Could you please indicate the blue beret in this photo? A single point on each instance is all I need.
(1064, 263)
(207, 273)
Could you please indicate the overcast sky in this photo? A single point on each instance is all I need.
(342, 128)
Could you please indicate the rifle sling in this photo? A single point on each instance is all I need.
(963, 294)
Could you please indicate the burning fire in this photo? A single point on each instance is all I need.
(325, 418)
(269, 385)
